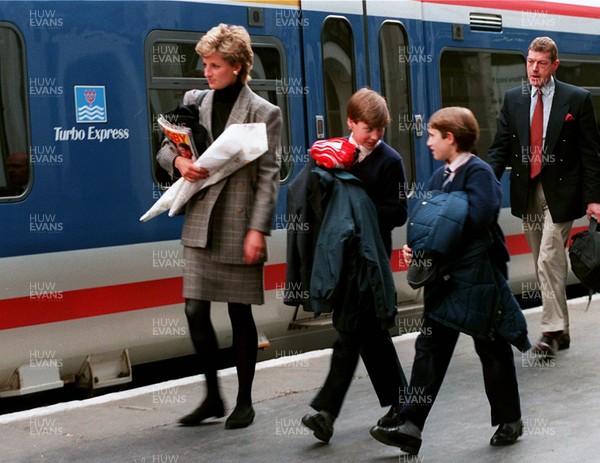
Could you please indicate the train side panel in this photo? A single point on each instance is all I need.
(82, 275)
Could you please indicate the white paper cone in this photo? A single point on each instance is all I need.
(164, 202)
(237, 146)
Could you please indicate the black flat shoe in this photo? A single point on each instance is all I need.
(206, 410)
(507, 433)
(391, 418)
(407, 439)
(320, 424)
(241, 417)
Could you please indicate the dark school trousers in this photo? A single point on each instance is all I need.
(434, 348)
(374, 345)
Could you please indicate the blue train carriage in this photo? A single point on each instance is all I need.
(90, 291)
(422, 55)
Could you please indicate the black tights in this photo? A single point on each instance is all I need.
(245, 342)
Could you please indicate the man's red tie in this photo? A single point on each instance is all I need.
(537, 138)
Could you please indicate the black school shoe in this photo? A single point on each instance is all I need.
(507, 433)
(406, 436)
(392, 418)
(321, 424)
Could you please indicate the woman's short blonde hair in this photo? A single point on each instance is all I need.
(233, 42)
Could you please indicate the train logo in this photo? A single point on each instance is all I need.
(90, 96)
(90, 103)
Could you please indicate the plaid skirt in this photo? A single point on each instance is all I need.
(207, 280)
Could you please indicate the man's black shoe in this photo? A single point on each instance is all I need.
(563, 341)
(507, 433)
(406, 436)
(321, 424)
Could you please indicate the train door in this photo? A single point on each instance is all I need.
(389, 73)
(359, 44)
(349, 48)
(334, 51)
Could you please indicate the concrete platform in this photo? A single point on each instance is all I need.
(560, 401)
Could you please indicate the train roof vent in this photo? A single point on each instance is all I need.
(487, 22)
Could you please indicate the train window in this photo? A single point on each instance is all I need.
(15, 169)
(338, 72)
(395, 87)
(173, 67)
(175, 59)
(478, 81)
(583, 72)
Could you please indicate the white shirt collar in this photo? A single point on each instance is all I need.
(546, 90)
(363, 152)
(459, 161)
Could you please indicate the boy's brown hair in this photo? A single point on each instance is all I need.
(369, 107)
(460, 122)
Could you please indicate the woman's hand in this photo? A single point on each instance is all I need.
(188, 170)
(255, 247)
(407, 254)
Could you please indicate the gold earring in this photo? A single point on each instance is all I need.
(235, 73)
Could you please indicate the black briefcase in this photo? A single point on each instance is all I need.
(584, 255)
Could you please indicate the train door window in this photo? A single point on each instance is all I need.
(583, 71)
(173, 67)
(395, 87)
(338, 72)
(478, 80)
(15, 169)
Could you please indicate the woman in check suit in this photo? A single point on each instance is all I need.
(226, 224)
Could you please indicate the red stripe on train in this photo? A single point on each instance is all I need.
(55, 306)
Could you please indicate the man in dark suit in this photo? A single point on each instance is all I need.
(547, 134)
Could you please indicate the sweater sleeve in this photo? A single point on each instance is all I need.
(500, 149)
(484, 193)
(392, 210)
